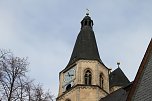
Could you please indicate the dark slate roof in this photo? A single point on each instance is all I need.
(119, 95)
(141, 89)
(118, 78)
(85, 46)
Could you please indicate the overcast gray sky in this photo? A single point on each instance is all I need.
(45, 31)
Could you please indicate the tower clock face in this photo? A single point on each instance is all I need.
(69, 75)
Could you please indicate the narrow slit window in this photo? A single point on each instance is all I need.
(101, 80)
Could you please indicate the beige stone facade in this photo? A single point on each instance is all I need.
(81, 92)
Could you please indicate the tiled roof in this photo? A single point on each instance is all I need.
(119, 95)
(118, 78)
(142, 86)
(85, 46)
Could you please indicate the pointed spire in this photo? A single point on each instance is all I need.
(85, 47)
(118, 78)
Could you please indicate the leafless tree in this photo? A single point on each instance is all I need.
(14, 84)
(22, 92)
(13, 69)
(40, 95)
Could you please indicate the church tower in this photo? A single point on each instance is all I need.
(85, 78)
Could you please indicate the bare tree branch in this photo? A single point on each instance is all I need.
(14, 84)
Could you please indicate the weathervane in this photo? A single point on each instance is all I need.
(87, 12)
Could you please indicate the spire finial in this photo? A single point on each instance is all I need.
(87, 12)
(118, 63)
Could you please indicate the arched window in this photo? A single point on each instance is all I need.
(90, 23)
(68, 87)
(67, 100)
(87, 77)
(85, 23)
(101, 80)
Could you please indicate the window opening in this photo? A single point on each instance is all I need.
(68, 87)
(67, 100)
(88, 77)
(101, 80)
(85, 23)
